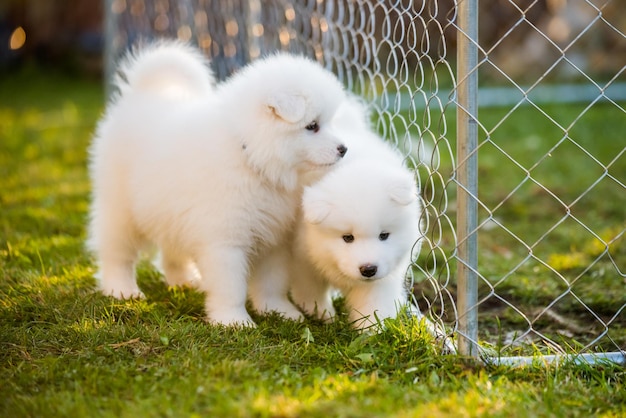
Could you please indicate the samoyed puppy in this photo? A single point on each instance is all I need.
(209, 175)
(358, 229)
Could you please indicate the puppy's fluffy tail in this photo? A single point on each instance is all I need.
(166, 68)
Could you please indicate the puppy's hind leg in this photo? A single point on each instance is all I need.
(116, 245)
(178, 269)
(269, 285)
(117, 254)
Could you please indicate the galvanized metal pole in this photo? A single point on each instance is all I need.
(467, 176)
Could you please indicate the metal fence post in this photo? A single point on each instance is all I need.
(467, 176)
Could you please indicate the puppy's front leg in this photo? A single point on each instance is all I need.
(224, 273)
(378, 299)
(310, 291)
(269, 285)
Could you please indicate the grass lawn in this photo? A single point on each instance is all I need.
(67, 351)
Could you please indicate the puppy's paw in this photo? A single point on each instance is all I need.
(290, 312)
(122, 291)
(369, 324)
(231, 318)
(326, 314)
(319, 309)
(282, 307)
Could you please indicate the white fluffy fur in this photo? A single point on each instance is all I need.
(211, 176)
(367, 194)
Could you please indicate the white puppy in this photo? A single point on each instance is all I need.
(358, 229)
(211, 176)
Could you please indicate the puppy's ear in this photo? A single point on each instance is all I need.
(289, 107)
(314, 207)
(403, 191)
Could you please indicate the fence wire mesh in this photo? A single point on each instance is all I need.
(547, 237)
(557, 274)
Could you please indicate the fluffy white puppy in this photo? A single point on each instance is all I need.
(211, 176)
(359, 226)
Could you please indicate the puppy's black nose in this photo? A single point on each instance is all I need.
(341, 149)
(368, 270)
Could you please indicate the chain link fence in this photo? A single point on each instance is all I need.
(513, 115)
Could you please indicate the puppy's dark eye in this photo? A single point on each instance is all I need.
(348, 238)
(383, 236)
(313, 126)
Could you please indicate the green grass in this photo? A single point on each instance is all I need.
(68, 351)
